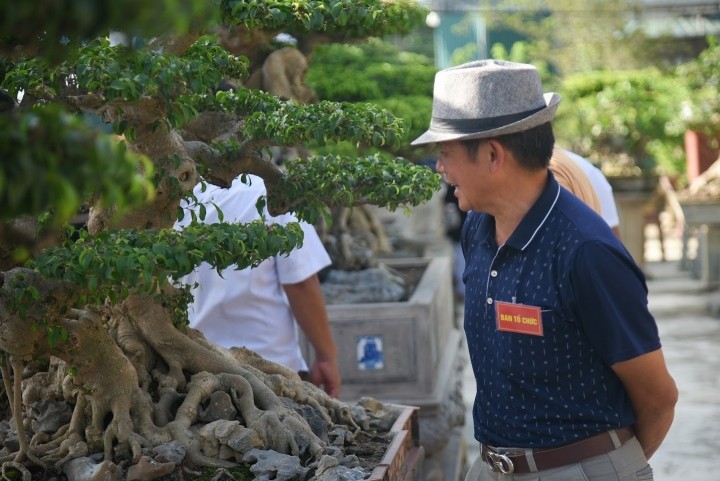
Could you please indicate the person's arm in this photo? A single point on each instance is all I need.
(653, 394)
(308, 306)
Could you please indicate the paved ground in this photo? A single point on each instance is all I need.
(691, 343)
(691, 340)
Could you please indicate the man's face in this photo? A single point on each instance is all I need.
(463, 174)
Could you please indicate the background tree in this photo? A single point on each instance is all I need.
(573, 36)
(627, 122)
(701, 110)
(397, 80)
(623, 100)
(88, 318)
(400, 81)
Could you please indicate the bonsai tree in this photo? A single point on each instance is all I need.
(624, 121)
(398, 81)
(700, 107)
(90, 322)
(701, 114)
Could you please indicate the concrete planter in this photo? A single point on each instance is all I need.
(392, 350)
(406, 352)
(632, 194)
(704, 216)
(403, 459)
(636, 184)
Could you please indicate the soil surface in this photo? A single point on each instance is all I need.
(411, 276)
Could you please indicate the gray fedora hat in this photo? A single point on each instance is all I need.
(487, 98)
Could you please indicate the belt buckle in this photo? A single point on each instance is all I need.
(500, 463)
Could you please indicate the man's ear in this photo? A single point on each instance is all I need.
(496, 153)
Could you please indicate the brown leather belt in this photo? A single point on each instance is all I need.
(502, 462)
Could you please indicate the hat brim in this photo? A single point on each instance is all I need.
(538, 118)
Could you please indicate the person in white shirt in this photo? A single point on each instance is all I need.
(603, 189)
(259, 307)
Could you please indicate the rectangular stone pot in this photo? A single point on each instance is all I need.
(417, 357)
(632, 195)
(403, 459)
(704, 216)
(411, 342)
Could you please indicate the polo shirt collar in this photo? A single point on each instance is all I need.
(530, 225)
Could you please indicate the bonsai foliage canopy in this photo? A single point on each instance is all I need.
(625, 121)
(123, 133)
(701, 108)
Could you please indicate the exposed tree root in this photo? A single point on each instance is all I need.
(135, 382)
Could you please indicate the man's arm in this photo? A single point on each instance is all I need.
(308, 307)
(653, 394)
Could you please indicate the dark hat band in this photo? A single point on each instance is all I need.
(472, 126)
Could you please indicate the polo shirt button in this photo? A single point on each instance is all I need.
(493, 273)
(489, 300)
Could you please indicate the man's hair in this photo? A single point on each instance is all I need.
(532, 148)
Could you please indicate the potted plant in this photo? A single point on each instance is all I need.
(402, 346)
(701, 109)
(113, 370)
(700, 199)
(623, 121)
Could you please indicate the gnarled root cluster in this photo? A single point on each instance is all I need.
(125, 384)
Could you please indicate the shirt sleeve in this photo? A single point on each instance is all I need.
(608, 208)
(302, 262)
(609, 301)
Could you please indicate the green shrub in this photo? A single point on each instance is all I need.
(400, 82)
(626, 121)
(701, 110)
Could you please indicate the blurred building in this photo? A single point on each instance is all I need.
(460, 32)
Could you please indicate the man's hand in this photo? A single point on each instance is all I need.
(308, 307)
(653, 395)
(326, 374)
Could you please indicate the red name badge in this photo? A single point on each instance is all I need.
(518, 318)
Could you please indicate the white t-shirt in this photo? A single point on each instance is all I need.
(603, 189)
(249, 307)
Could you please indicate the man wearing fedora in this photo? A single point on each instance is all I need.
(571, 378)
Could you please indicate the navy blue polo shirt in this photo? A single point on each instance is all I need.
(539, 391)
